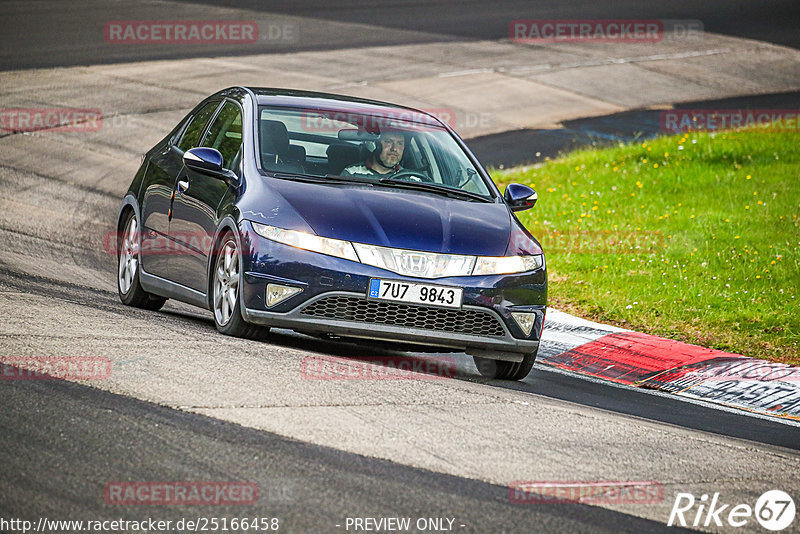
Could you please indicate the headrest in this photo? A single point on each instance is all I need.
(274, 138)
(296, 154)
(340, 156)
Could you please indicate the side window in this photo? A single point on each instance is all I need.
(225, 133)
(191, 137)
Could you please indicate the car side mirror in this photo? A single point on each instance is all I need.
(207, 161)
(520, 197)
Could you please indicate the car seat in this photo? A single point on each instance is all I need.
(275, 148)
(341, 156)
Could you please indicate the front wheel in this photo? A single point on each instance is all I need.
(226, 292)
(505, 370)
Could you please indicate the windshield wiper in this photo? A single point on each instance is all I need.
(320, 179)
(350, 179)
(296, 176)
(436, 188)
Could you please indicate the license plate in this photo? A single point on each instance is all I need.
(432, 295)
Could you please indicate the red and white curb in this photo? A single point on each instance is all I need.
(641, 360)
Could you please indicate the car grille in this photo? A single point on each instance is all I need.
(360, 310)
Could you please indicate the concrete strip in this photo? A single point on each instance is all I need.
(491, 86)
(626, 85)
(533, 103)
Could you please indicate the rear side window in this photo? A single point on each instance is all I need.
(225, 133)
(191, 138)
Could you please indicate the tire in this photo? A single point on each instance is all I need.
(225, 294)
(130, 290)
(504, 370)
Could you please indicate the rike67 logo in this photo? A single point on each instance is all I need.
(774, 510)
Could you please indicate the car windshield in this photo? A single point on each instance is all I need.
(387, 150)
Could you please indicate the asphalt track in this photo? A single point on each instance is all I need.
(43, 34)
(774, 21)
(76, 437)
(184, 403)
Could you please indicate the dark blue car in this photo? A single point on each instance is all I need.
(334, 216)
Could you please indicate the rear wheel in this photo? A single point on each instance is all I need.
(130, 290)
(226, 295)
(505, 370)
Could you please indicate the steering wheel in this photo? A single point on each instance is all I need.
(411, 174)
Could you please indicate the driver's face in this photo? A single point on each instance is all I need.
(392, 146)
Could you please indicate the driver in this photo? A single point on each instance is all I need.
(384, 160)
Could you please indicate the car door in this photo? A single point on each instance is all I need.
(157, 199)
(197, 196)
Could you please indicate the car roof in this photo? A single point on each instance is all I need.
(312, 100)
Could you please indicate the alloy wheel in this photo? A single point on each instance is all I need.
(128, 256)
(226, 283)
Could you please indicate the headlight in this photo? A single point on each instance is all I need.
(508, 264)
(405, 262)
(314, 243)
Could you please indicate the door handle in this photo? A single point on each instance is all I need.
(183, 185)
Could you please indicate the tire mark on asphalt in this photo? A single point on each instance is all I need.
(50, 178)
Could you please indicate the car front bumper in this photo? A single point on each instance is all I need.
(333, 300)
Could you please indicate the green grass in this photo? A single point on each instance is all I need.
(694, 237)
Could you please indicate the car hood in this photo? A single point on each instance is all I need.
(399, 218)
